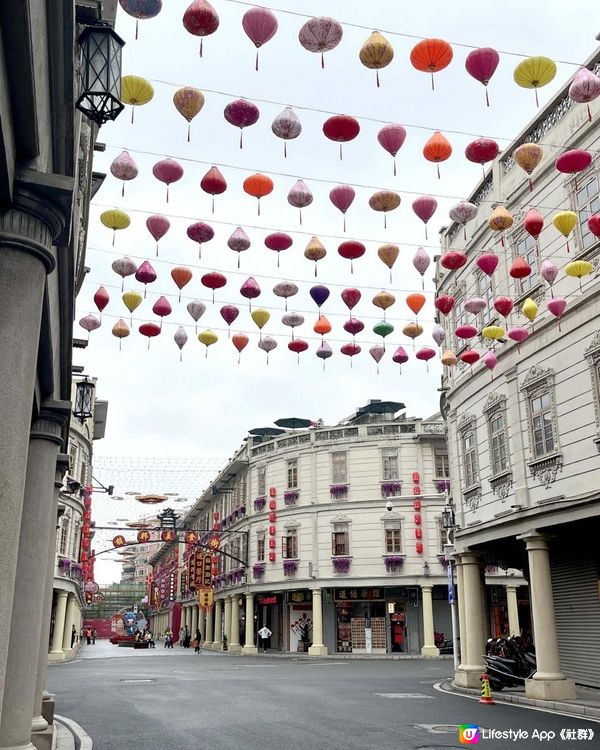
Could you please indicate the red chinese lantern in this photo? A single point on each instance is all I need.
(272, 556)
(85, 543)
(418, 519)
(272, 530)
(272, 504)
(520, 268)
(481, 151)
(272, 491)
(272, 543)
(444, 303)
(417, 504)
(216, 515)
(168, 535)
(213, 280)
(419, 548)
(453, 260)
(416, 477)
(470, 357)
(272, 517)
(341, 128)
(213, 183)
(418, 533)
(416, 490)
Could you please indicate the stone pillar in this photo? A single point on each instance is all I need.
(472, 641)
(209, 627)
(59, 623)
(194, 620)
(69, 622)
(548, 683)
(218, 632)
(227, 620)
(429, 648)
(201, 622)
(460, 595)
(249, 644)
(513, 610)
(234, 644)
(318, 648)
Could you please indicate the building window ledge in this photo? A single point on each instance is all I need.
(472, 496)
(545, 468)
(501, 484)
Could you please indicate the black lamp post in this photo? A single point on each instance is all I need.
(84, 399)
(100, 73)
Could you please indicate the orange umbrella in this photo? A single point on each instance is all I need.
(415, 302)
(181, 275)
(431, 55)
(437, 149)
(258, 185)
(322, 326)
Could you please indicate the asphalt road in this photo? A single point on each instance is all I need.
(177, 700)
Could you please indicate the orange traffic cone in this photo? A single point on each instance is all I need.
(486, 691)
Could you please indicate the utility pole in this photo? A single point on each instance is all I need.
(449, 523)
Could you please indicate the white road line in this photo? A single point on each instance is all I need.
(404, 695)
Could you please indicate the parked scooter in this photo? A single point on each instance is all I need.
(509, 661)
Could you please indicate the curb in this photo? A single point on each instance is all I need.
(357, 657)
(576, 709)
(82, 739)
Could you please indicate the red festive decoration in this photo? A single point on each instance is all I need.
(341, 128)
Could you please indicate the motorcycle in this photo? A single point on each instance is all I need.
(509, 661)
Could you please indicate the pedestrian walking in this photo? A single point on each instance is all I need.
(264, 634)
(93, 636)
(73, 635)
(197, 640)
(187, 638)
(168, 638)
(88, 636)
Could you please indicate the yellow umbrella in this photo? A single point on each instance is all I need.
(534, 72)
(120, 330)
(132, 301)
(384, 300)
(578, 268)
(315, 250)
(376, 53)
(528, 156)
(500, 220)
(449, 358)
(565, 222)
(261, 317)
(115, 219)
(494, 333)
(530, 309)
(384, 200)
(188, 102)
(136, 91)
(207, 338)
(389, 254)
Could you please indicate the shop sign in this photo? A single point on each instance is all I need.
(299, 597)
(267, 599)
(205, 598)
(340, 595)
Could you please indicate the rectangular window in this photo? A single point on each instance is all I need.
(588, 203)
(470, 458)
(390, 463)
(292, 474)
(442, 467)
(542, 430)
(339, 471)
(393, 539)
(289, 544)
(262, 480)
(498, 440)
(340, 542)
(526, 248)
(260, 546)
(484, 290)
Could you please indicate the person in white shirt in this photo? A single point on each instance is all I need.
(264, 634)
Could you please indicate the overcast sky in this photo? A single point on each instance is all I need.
(203, 407)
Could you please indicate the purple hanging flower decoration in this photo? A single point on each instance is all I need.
(290, 567)
(338, 490)
(290, 497)
(341, 564)
(259, 503)
(390, 488)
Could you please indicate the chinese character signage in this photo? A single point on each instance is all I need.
(356, 594)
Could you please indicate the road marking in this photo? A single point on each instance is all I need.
(140, 680)
(403, 695)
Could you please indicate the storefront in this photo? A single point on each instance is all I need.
(360, 615)
(268, 611)
(299, 620)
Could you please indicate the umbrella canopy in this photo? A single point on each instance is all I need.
(381, 407)
(293, 423)
(264, 431)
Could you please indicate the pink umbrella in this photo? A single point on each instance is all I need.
(421, 262)
(145, 274)
(425, 353)
(260, 25)
(321, 35)
(481, 64)
(585, 88)
(167, 171)
(229, 313)
(487, 262)
(241, 114)
(200, 233)
(424, 207)
(481, 151)
(250, 290)
(300, 196)
(158, 226)
(124, 168)
(201, 19)
(462, 213)
(391, 137)
(549, 272)
(351, 297)
(124, 267)
(278, 241)
(285, 289)
(342, 197)
(286, 126)
(238, 242)
(162, 307)
(571, 162)
(400, 356)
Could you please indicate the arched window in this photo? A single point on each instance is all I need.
(63, 534)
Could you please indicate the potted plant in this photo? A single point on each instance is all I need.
(341, 564)
(442, 485)
(305, 642)
(338, 491)
(258, 570)
(259, 503)
(393, 562)
(290, 567)
(390, 488)
(290, 497)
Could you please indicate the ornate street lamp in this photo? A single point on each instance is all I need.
(84, 399)
(100, 73)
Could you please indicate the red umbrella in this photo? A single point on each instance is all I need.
(241, 114)
(150, 330)
(481, 151)
(391, 137)
(297, 346)
(162, 307)
(213, 183)
(481, 64)
(278, 241)
(201, 19)
(101, 299)
(213, 280)
(200, 232)
(350, 350)
(351, 250)
(342, 197)
(260, 25)
(341, 128)
(571, 162)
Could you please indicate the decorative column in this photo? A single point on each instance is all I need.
(209, 627)
(472, 642)
(218, 629)
(194, 620)
(201, 622)
(234, 645)
(513, 610)
(429, 648)
(227, 621)
(249, 645)
(59, 623)
(69, 622)
(318, 648)
(462, 619)
(548, 683)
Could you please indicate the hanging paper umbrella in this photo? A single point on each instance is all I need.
(453, 260)
(448, 358)
(504, 306)
(229, 313)
(431, 56)
(258, 185)
(574, 161)
(320, 34)
(351, 250)
(376, 53)
(120, 330)
(500, 220)
(438, 334)
(557, 307)
(350, 350)
(293, 320)
(490, 360)
(180, 337)
(462, 213)
(124, 267)
(320, 295)
(585, 88)
(136, 91)
(388, 254)
(475, 305)
(208, 338)
(260, 316)
(300, 196)
(400, 357)
(384, 300)
(342, 197)
(213, 280)
(437, 149)
(518, 334)
(424, 207)
(260, 25)
(533, 73)
(351, 297)
(101, 298)
(487, 263)
(181, 275)
(285, 289)
(158, 226)
(286, 126)
(383, 329)
(315, 251)
(470, 357)
(241, 114)
(520, 268)
(240, 341)
(384, 200)
(123, 167)
(565, 222)
(593, 224)
(481, 64)
(145, 274)
(322, 326)
(341, 128)
(324, 352)
(90, 323)
(421, 262)
(533, 223)
(354, 326)
(200, 233)
(115, 220)
(391, 137)
(549, 272)
(132, 300)
(250, 290)
(530, 309)
(150, 330)
(465, 332)
(239, 242)
(213, 183)
(528, 156)
(481, 151)
(141, 9)
(425, 353)
(167, 171)
(578, 269)
(188, 102)
(162, 308)
(377, 351)
(278, 241)
(201, 19)
(196, 309)
(297, 346)
(413, 331)
(415, 302)
(444, 303)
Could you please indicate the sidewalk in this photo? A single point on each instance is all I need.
(68, 735)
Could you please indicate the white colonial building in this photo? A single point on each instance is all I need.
(524, 444)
